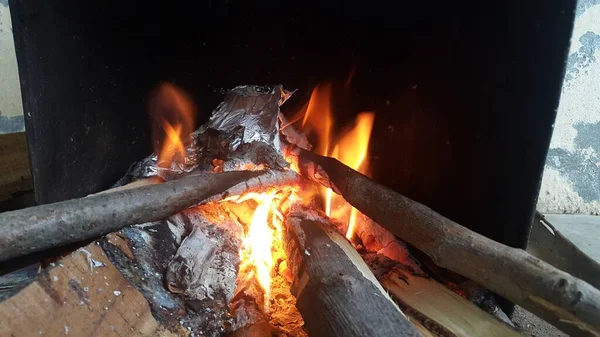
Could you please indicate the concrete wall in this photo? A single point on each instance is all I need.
(571, 182)
(11, 107)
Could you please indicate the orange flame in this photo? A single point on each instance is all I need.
(175, 113)
(351, 148)
(265, 232)
(318, 116)
(260, 240)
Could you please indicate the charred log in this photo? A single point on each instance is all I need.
(248, 310)
(206, 263)
(250, 321)
(336, 293)
(567, 302)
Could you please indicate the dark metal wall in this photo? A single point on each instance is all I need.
(465, 93)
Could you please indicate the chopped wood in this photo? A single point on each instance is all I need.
(567, 302)
(82, 294)
(336, 293)
(436, 307)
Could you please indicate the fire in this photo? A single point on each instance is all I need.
(318, 116)
(175, 114)
(351, 147)
(263, 236)
(260, 241)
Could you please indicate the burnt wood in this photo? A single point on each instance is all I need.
(250, 321)
(567, 302)
(336, 292)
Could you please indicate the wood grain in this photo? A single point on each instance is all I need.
(443, 307)
(72, 299)
(336, 292)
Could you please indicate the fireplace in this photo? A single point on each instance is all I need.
(464, 94)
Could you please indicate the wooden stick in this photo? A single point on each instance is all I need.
(336, 293)
(37, 228)
(568, 303)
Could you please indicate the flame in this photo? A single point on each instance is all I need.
(318, 116)
(264, 235)
(175, 113)
(260, 241)
(351, 147)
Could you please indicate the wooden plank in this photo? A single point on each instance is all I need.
(15, 172)
(439, 305)
(73, 298)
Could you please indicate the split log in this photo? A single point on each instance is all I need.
(567, 302)
(433, 305)
(336, 293)
(37, 228)
(83, 294)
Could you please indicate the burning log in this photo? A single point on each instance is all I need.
(336, 293)
(247, 309)
(249, 320)
(205, 265)
(37, 228)
(565, 301)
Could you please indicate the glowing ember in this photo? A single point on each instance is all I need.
(175, 115)
(351, 147)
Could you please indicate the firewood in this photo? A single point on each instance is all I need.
(336, 293)
(83, 294)
(433, 305)
(37, 228)
(250, 320)
(206, 263)
(248, 312)
(567, 302)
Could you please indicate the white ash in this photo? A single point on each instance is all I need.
(117, 293)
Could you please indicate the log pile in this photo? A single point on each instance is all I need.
(565, 301)
(171, 261)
